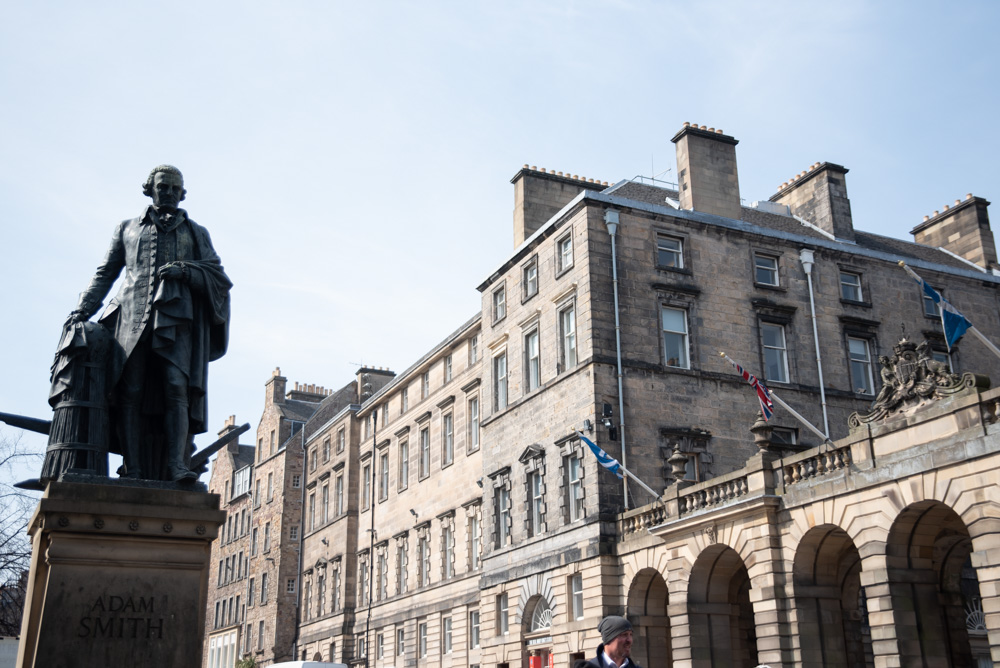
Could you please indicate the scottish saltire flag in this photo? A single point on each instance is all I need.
(955, 324)
(763, 394)
(605, 460)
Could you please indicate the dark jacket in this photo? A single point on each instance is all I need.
(597, 663)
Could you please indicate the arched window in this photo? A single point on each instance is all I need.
(541, 617)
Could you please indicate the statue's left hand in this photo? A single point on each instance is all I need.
(171, 271)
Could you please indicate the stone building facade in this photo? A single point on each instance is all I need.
(252, 601)
(232, 476)
(396, 568)
(879, 550)
(450, 515)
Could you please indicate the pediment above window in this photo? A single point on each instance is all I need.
(531, 452)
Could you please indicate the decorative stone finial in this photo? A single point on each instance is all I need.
(761, 431)
(678, 462)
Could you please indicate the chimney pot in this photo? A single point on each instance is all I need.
(936, 212)
(957, 202)
(534, 168)
(525, 165)
(968, 196)
(687, 124)
(711, 129)
(946, 207)
(926, 218)
(719, 132)
(703, 127)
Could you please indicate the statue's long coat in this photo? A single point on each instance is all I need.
(189, 320)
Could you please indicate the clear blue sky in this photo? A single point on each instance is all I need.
(352, 160)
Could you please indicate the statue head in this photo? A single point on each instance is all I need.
(165, 184)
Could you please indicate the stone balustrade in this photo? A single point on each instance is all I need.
(712, 493)
(640, 519)
(816, 462)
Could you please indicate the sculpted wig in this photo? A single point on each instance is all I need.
(147, 187)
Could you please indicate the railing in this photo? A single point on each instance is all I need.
(640, 519)
(818, 464)
(707, 496)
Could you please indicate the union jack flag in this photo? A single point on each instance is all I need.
(763, 394)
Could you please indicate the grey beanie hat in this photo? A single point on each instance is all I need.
(613, 626)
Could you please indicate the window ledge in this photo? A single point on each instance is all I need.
(680, 370)
(851, 302)
(674, 270)
(766, 286)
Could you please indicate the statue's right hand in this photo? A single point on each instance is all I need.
(74, 317)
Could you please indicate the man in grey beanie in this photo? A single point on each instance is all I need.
(615, 647)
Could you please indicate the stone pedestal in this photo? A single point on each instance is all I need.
(119, 576)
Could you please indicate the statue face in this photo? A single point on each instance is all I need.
(168, 189)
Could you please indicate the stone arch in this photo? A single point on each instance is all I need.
(646, 608)
(537, 615)
(722, 628)
(830, 603)
(932, 586)
(537, 585)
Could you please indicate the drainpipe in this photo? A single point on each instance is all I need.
(371, 541)
(807, 259)
(611, 220)
(302, 538)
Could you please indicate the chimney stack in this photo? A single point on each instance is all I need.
(819, 195)
(234, 445)
(962, 228)
(274, 388)
(539, 194)
(371, 379)
(706, 171)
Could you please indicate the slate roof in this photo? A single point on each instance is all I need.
(245, 457)
(642, 192)
(296, 409)
(907, 249)
(331, 406)
(651, 194)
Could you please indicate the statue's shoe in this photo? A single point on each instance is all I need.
(183, 475)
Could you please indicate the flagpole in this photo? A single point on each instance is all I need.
(613, 465)
(637, 481)
(772, 395)
(801, 419)
(986, 342)
(972, 328)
